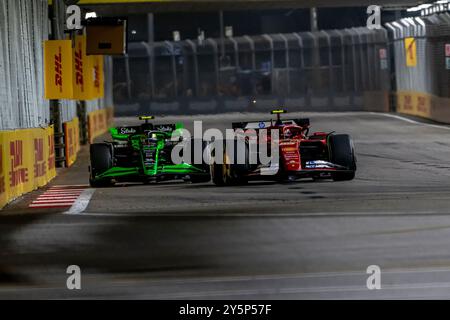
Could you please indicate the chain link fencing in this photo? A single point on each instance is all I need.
(336, 70)
(23, 28)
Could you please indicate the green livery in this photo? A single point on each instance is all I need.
(141, 154)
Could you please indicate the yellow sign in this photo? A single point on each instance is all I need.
(27, 161)
(58, 69)
(72, 141)
(411, 52)
(99, 121)
(98, 82)
(82, 75)
(414, 103)
(70, 73)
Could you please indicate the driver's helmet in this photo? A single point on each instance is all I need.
(287, 133)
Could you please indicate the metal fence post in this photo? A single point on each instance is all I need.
(216, 63)
(272, 59)
(195, 58)
(174, 68)
(331, 89)
(288, 63)
(60, 156)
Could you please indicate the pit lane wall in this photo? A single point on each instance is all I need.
(27, 156)
(99, 121)
(27, 161)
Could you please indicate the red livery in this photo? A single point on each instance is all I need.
(319, 155)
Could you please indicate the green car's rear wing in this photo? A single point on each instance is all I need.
(124, 132)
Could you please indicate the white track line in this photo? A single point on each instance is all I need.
(81, 203)
(394, 116)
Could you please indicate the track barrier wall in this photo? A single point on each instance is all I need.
(72, 141)
(99, 122)
(422, 66)
(424, 105)
(27, 161)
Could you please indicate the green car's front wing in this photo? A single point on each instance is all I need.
(139, 173)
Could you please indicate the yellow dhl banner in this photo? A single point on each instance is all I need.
(98, 77)
(83, 76)
(414, 103)
(70, 73)
(58, 69)
(411, 52)
(27, 161)
(99, 122)
(72, 141)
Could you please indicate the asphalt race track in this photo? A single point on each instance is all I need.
(300, 240)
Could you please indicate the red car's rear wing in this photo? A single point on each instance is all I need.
(256, 125)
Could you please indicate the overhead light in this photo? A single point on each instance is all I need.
(430, 8)
(419, 7)
(90, 15)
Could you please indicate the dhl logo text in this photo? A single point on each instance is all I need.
(39, 161)
(79, 78)
(17, 175)
(58, 70)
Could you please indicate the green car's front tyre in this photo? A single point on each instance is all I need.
(101, 161)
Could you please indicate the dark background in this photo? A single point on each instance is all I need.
(247, 22)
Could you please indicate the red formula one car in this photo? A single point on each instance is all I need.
(319, 155)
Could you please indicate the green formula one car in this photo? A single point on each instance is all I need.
(141, 154)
